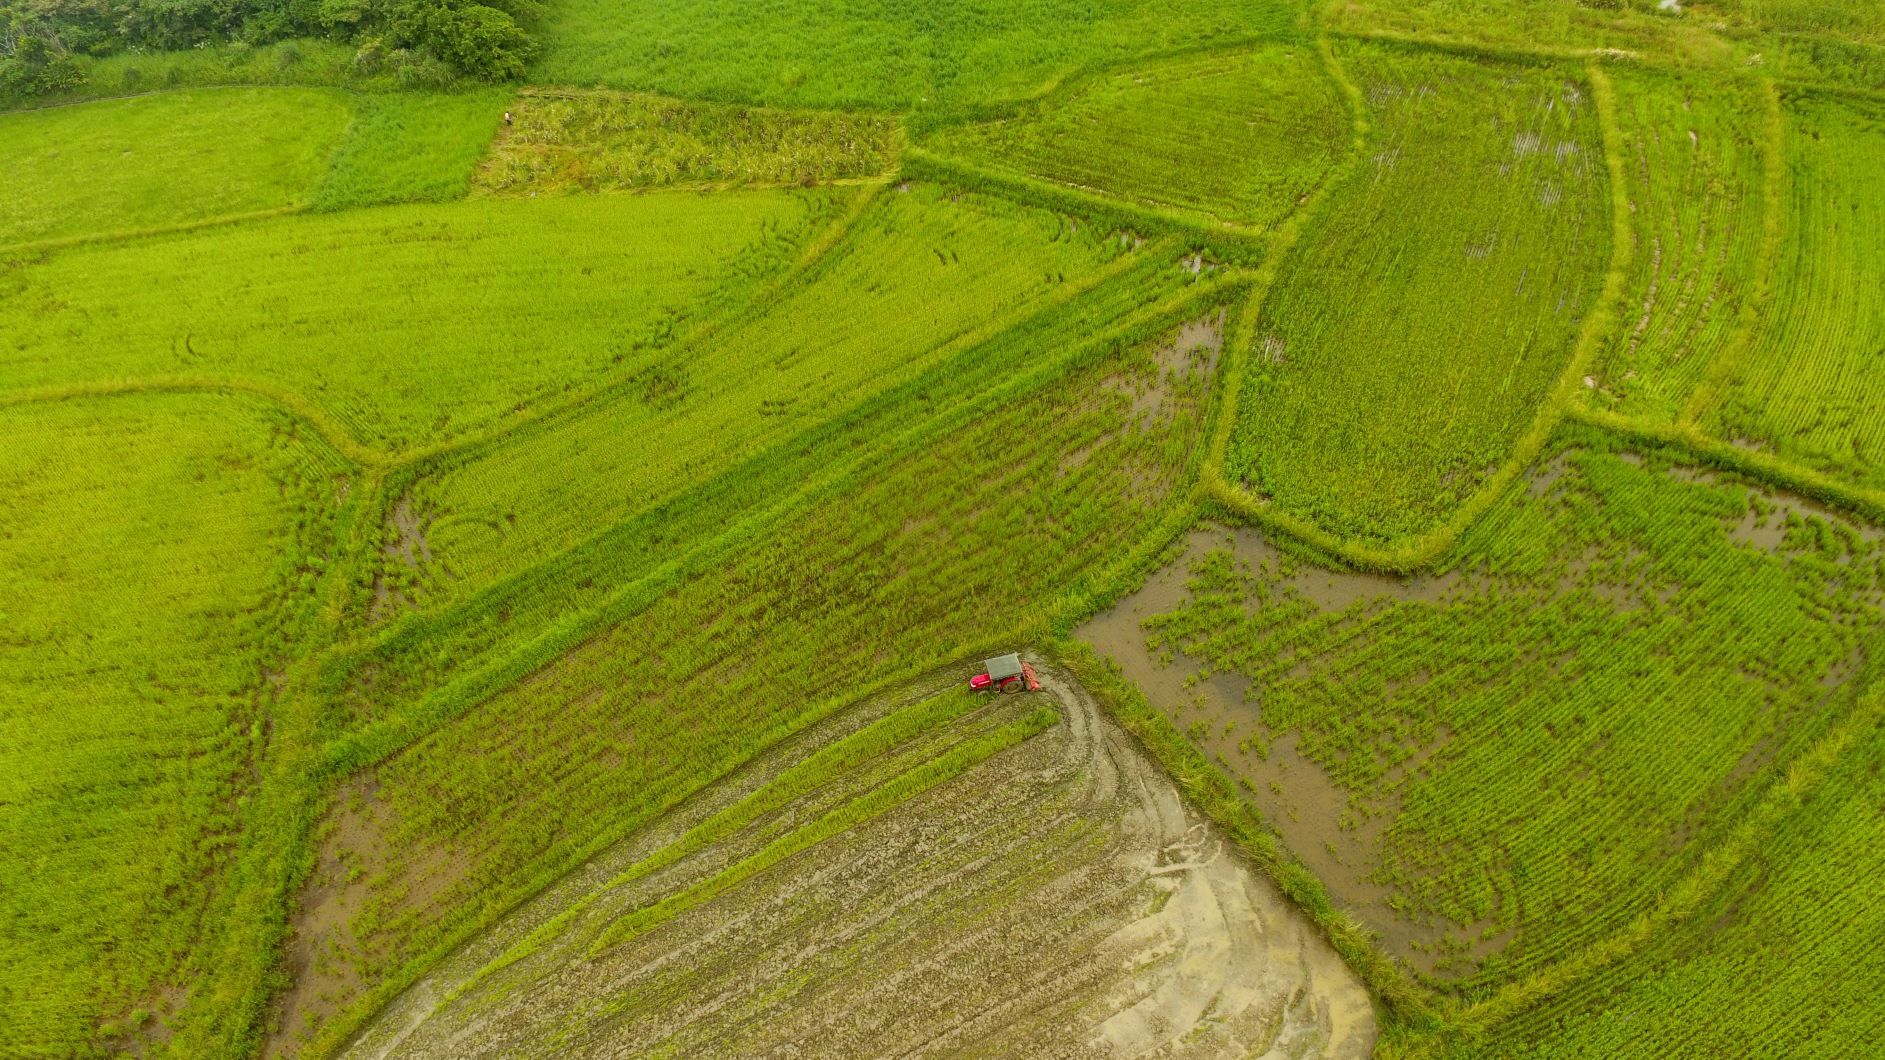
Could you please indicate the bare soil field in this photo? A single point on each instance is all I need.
(1059, 899)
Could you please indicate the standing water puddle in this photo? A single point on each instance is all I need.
(1336, 834)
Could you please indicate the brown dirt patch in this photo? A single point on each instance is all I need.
(325, 954)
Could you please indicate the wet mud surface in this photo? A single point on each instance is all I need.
(1059, 899)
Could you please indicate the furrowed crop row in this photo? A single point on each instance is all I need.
(1160, 136)
(729, 663)
(1553, 668)
(1809, 388)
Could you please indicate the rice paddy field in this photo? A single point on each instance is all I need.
(494, 570)
(1409, 343)
(1275, 127)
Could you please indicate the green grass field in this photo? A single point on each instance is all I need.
(159, 554)
(1696, 152)
(1237, 137)
(1436, 298)
(409, 325)
(917, 280)
(1747, 973)
(873, 54)
(164, 159)
(412, 147)
(1474, 409)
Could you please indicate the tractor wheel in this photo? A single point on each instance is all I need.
(1011, 685)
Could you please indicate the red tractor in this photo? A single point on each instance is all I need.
(1006, 674)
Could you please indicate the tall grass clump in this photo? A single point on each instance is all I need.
(874, 54)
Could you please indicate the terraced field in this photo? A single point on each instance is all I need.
(875, 54)
(866, 320)
(407, 326)
(172, 158)
(488, 568)
(1701, 161)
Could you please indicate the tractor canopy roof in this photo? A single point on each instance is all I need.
(1004, 666)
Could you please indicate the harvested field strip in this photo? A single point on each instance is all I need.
(1810, 388)
(1481, 718)
(1430, 249)
(567, 141)
(1699, 160)
(169, 158)
(1093, 905)
(133, 692)
(800, 781)
(866, 807)
(942, 545)
(918, 280)
(405, 322)
(1234, 137)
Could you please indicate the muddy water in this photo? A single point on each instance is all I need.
(1337, 835)
(1059, 899)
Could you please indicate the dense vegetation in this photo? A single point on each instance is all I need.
(437, 499)
(420, 40)
(1273, 125)
(1436, 298)
(159, 553)
(1618, 608)
(1697, 153)
(1812, 384)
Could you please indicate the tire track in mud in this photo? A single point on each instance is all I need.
(1058, 900)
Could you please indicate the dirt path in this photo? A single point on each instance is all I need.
(1057, 900)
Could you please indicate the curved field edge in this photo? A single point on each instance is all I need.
(1420, 1008)
(1431, 1020)
(1423, 550)
(1037, 883)
(1236, 138)
(255, 644)
(348, 753)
